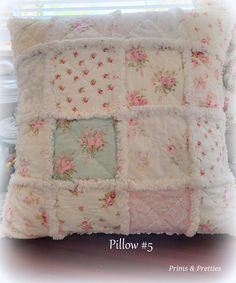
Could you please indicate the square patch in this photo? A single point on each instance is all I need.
(162, 211)
(84, 80)
(92, 211)
(157, 148)
(34, 148)
(206, 80)
(208, 149)
(85, 149)
(154, 76)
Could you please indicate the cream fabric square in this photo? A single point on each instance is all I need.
(25, 213)
(34, 158)
(160, 141)
(154, 76)
(208, 149)
(92, 211)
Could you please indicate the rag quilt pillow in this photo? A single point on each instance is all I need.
(121, 126)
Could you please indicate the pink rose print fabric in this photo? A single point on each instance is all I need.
(154, 77)
(85, 80)
(96, 211)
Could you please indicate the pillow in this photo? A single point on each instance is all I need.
(123, 131)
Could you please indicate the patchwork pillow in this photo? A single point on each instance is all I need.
(123, 133)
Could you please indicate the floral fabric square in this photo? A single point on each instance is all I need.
(91, 211)
(221, 200)
(85, 149)
(207, 146)
(161, 144)
(153, 76)
(84, 80)
(206, 80)
(34, 136)
(25, 214)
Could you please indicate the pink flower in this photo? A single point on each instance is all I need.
(81, 90)
(210, 100)
(109, 60)
(86, 225)
(205, 40)
(76, 54)
(113, 195)
(133, 122)
(226, 104)
(63, 167)
(204, 226)
(35, 125)
(110, 87)
(69, 71)
(138, 55)
(106, 76)
(74, 109)
(105, 105)
(9, 215)
(135, 99)
(23, 171)
(62, 88)
(201, 56)
(164, 81)
(109, 199)
(85, 72)
(92, 142)
(85, 99)
(93, 55)
(100, 91)
(100, 64)
(171, 148)
(202, 172)
(81, 26)
(44, 219)
(93, 82)
(69, 99)
(199, 83)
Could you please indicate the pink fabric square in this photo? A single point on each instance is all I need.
(165, 211)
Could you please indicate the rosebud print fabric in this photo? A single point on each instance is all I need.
(122, 128)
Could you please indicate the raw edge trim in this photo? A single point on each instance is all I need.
(194, 213)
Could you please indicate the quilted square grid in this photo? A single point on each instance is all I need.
(100, 163)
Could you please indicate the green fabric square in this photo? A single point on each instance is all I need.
(85, 149)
